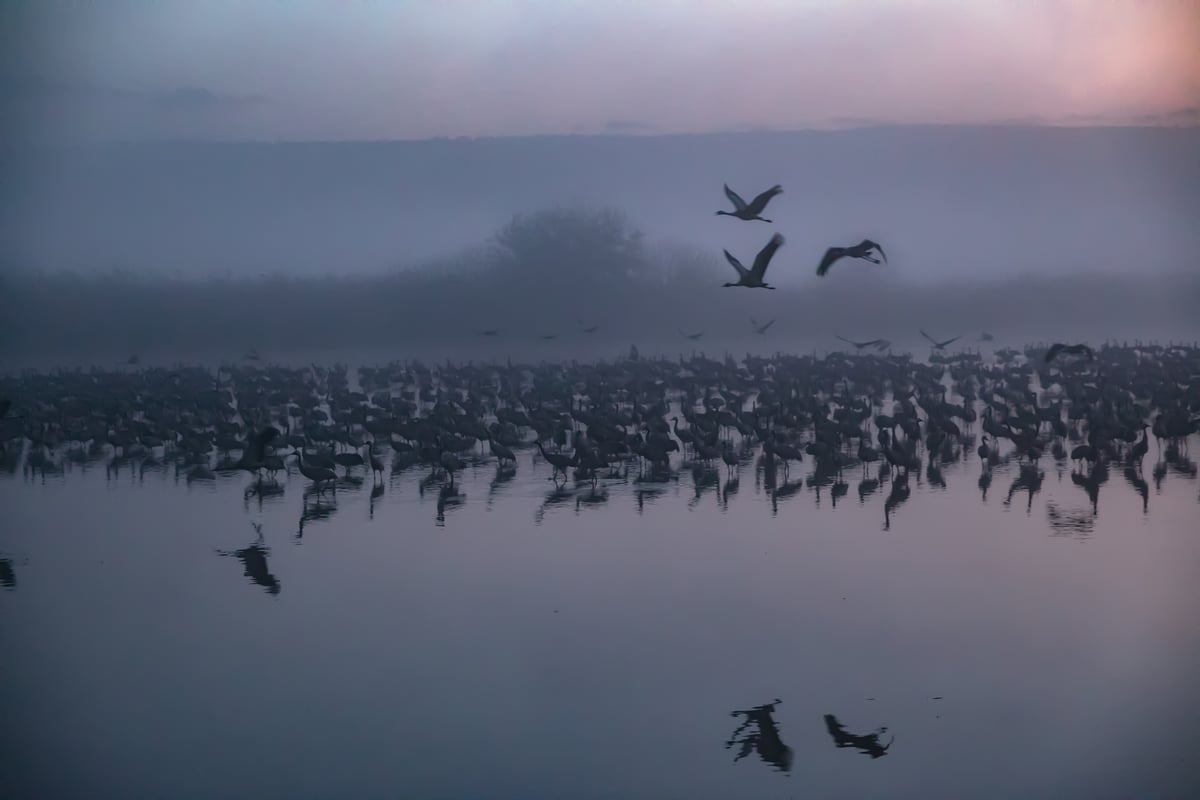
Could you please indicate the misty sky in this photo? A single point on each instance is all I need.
(402, 69)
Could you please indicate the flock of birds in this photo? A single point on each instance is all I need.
(889, 419)
(752, 278)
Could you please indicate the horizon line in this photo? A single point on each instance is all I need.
(645, 134)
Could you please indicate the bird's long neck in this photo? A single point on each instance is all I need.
(725, 213)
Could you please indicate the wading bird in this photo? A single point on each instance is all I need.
(753, 278)
(752, 210)
(862, 250)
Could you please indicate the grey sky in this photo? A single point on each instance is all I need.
(388, 69)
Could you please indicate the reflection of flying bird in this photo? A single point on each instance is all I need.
(878, 344)
(762, 737)
(940, 345)
(867, 745)
(862, 250)
(760, 329)
(692, 336)
(752, 210)
(753, 278)
(1070, 349)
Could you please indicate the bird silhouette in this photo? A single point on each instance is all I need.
(879, 344)
(940, 345)
(760, 329)
(862, 251)
(752, 210)
(753, 278)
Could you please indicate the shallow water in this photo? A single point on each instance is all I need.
(518, 641)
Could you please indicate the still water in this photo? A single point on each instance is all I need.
(624, 641)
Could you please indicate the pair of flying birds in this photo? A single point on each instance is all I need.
(752, 278)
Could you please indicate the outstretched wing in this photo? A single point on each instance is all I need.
(844, 339)
(1054, 350)
(868, 344)
(1091, 355)
(764, 328)
(932, 341)
(827, 261)
(738, 203)
(760, 203)
(763, 259)
(878, 247)
(950, 341)
(737, 265)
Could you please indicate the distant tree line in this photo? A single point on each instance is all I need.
(542, 274)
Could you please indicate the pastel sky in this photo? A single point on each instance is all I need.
(403, 69)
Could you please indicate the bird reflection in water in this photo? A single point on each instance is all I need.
(1140, 486)
(376, 493)
(593, 499)
(868, 745)
(730, 489)
(254, 562)
(783, 492)
(504, 474)
(1066, 522)
(896, 497)
(703, 479)
(1029, 480)
(1091, 482)
(317, 507)
(557, 496)
(449, 497)
(643, 496)
(263, 490)
(762, 738)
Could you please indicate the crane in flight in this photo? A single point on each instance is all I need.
(588, 328)
(692, 336)
(940, 345)
(878, 344)
(862, 250)
(1069, 349)
(752, 210)
(760, 329)
(753, 278)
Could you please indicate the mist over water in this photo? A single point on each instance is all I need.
(442, 624)
(951, 202)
